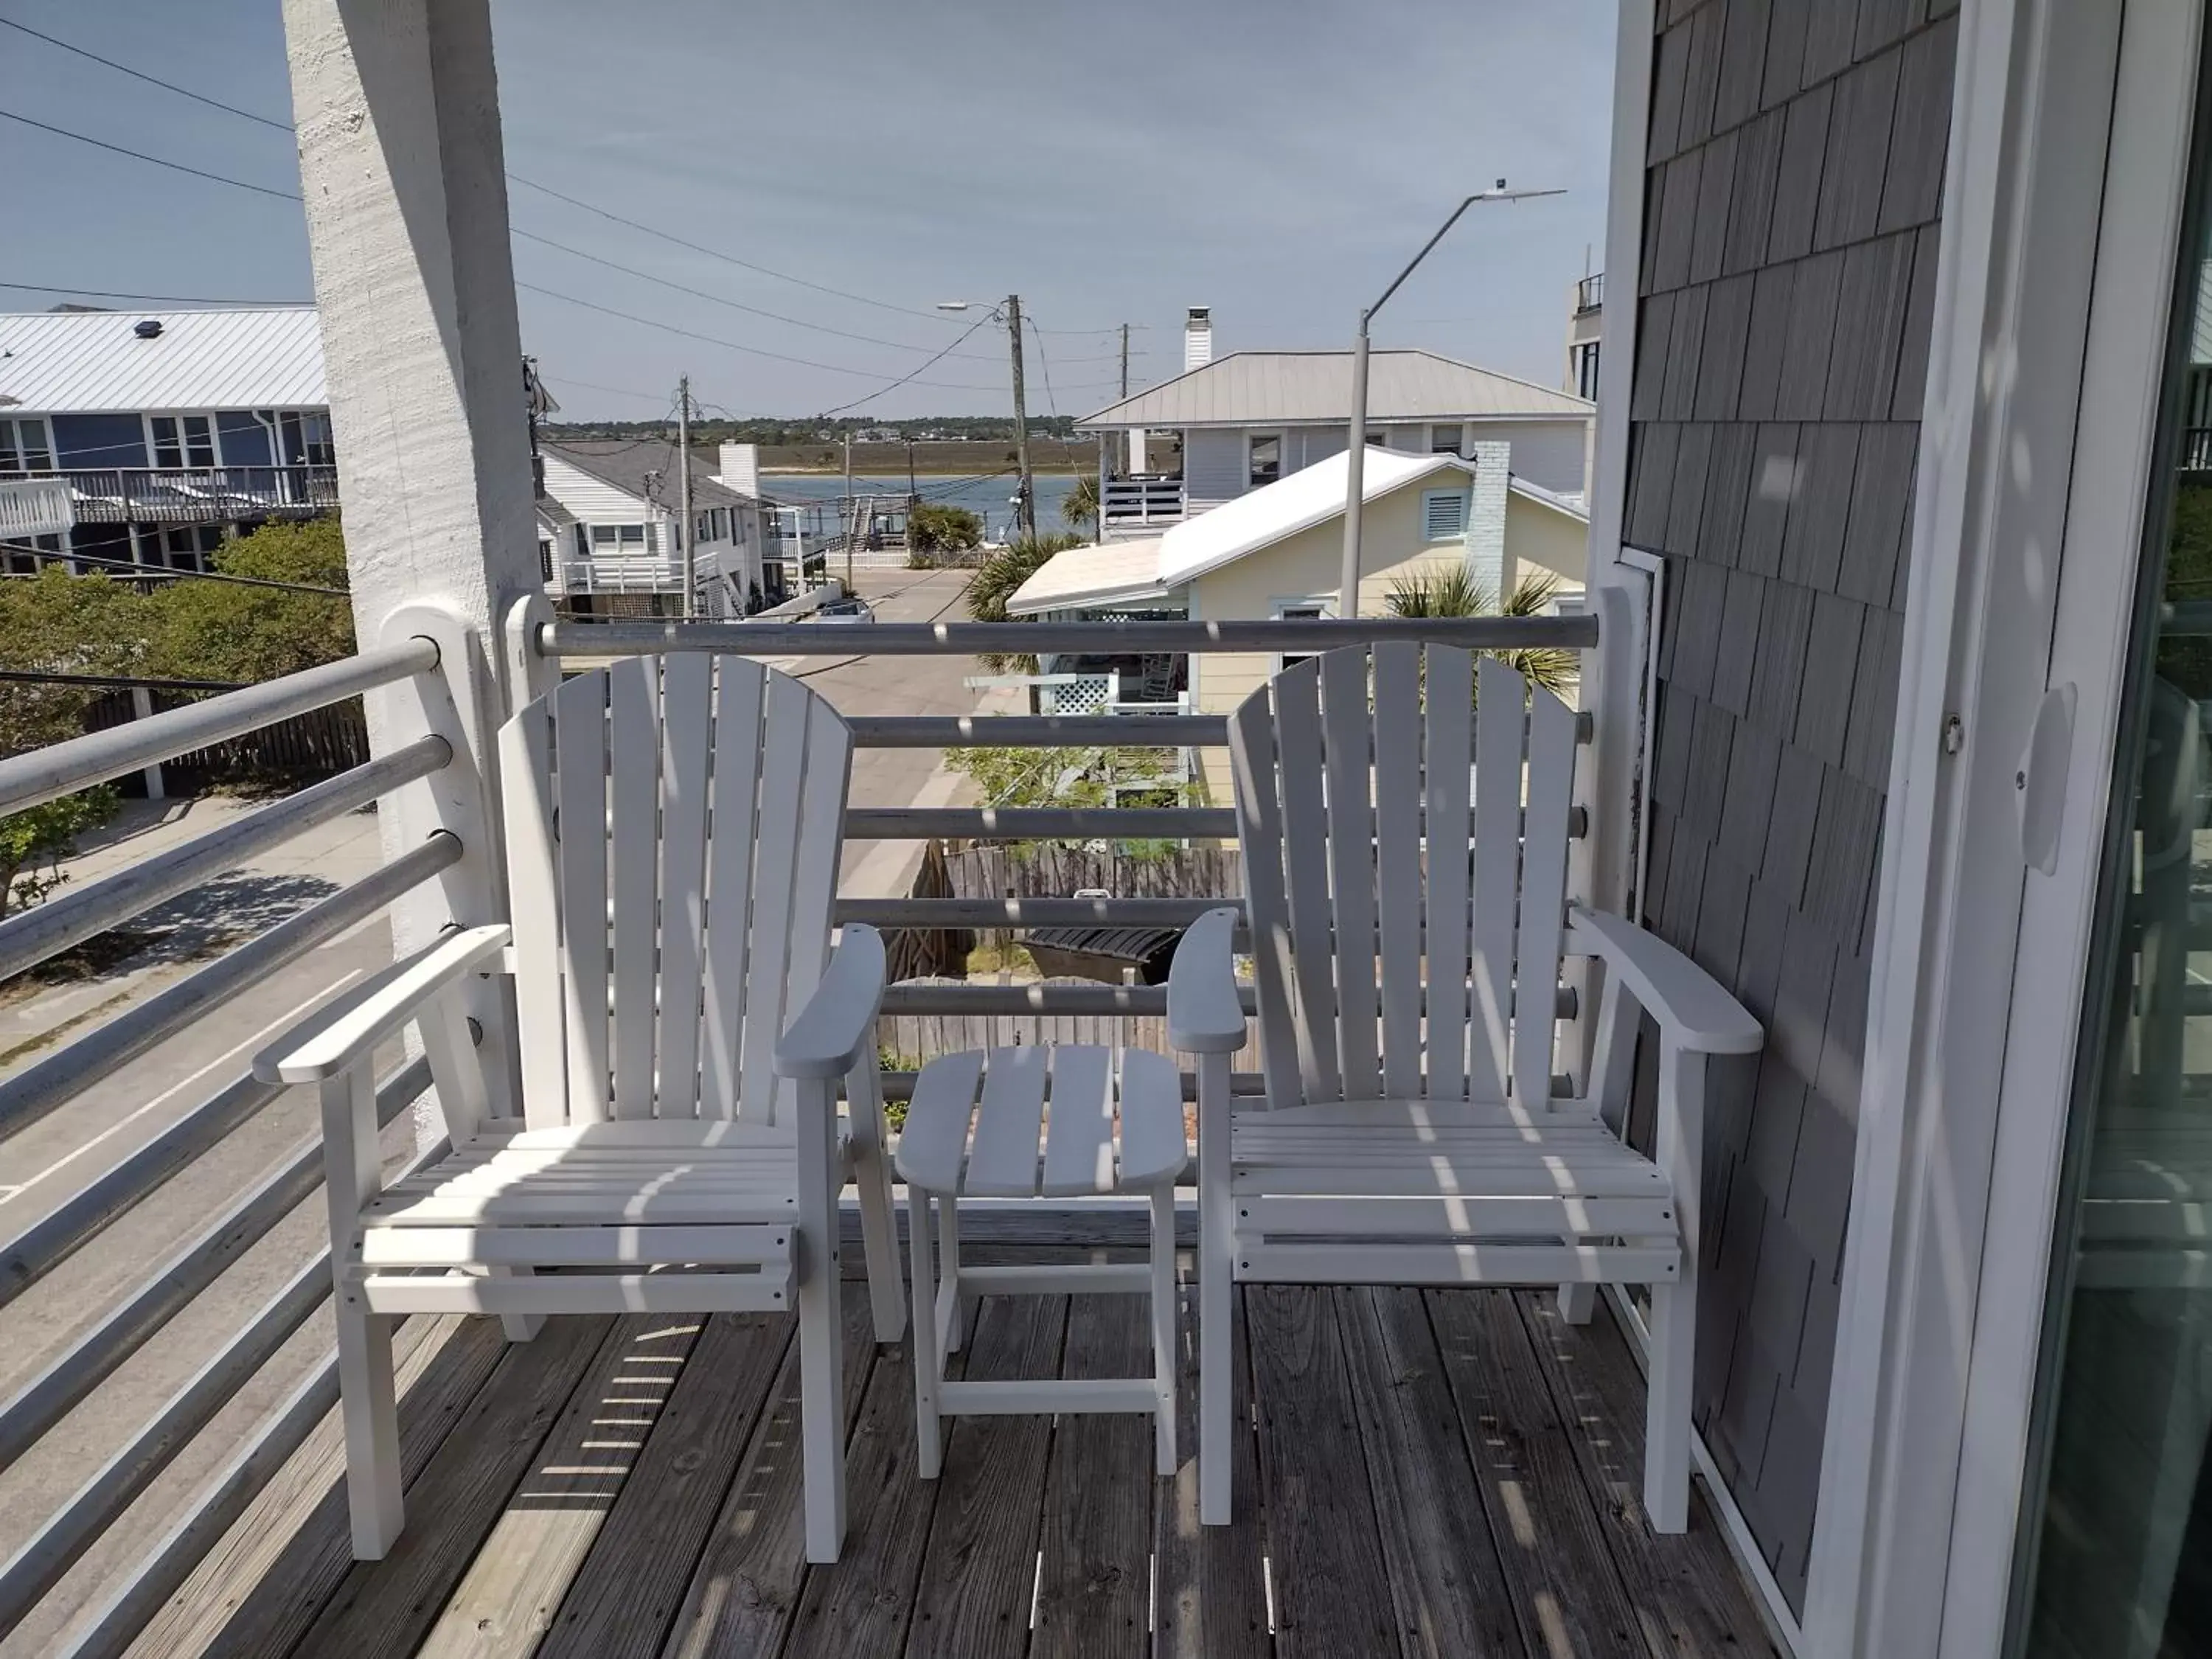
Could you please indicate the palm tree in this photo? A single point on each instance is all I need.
(1080, 506)
(1454, 591)
(995, 581)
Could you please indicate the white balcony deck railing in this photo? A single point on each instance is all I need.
(633, 572)
(1133, 503)
(151, 494)
(34, 507)
(129, 1598)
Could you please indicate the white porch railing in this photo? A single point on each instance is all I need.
(34, 507)
(128, 1598)
(1130, 505)
(632, 573)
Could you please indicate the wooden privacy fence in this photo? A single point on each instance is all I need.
(1053, 869)
(320, 743)
(909, 1040)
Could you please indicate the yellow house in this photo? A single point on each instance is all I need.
(1277, 552)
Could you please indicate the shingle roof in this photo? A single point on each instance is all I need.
(1261, 388)
(93, 362)
(624, 462)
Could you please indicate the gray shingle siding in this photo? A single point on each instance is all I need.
(1794, 180)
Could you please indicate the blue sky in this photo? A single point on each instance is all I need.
(1276, 161)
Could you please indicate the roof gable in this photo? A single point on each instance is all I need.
(1263, 388)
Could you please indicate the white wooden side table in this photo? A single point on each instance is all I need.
(1045, 1121)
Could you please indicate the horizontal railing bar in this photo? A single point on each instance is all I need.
(1060, 997)
(1065, 823)
(54, 1548)
(41, 1402)
(1038, 731)
(1162, 638)
(899, 1086)
(1064, 730)
(1037, 823)
(1019, 913)
(57, 924)
(41, 774)
(34, 1092)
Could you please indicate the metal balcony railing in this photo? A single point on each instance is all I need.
(1589, 294)
(200, 494)
(414, 759)
(1132, 503)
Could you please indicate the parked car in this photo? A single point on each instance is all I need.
(853, 609)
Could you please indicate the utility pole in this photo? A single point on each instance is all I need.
(1125, 360)
(684, 537)
(1025, 509)
(852, 511)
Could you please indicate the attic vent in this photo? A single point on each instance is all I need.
(148, 329)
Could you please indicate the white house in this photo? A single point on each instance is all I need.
(607, 533)
(172, 429)
(1251, 417)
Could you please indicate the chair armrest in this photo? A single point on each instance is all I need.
(1205, 1014)
(348, 1027)
(838, 1024)
(1692, 1009)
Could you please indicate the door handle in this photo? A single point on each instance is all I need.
(2040, 786)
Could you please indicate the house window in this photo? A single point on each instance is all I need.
(1583, 360)
(1445, 439)
(24, 445)
(303, 438)
(22, 558)
(617, 538)
(1267, 460)
(181, 440)
(1379, 437)
(1295, 610)
(1443, 514)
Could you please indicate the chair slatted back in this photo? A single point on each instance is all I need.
(1389, 839)
(673, 827)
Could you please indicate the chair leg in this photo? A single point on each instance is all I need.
(821, 1351)
(929, 1359)
(518, 1328)
(1164, 1329)
(1216, 1292)
(1577, 1302)
(1667, 1403)
(879, 1243)
(948, 1251)
(371, 1411)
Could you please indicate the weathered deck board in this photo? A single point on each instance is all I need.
(624, 1597)
(862, 1604)
(1402, 1436)
(1094, 1578)
(383, 1608)
(506, 1601)
(979, 1570)
(1331, 1591)
(263, 1582)
(1212, 1594)
(1564, 1586)
(744, 1586)
(1688, 1596)
(1442, 1561)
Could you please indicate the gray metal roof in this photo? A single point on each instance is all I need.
(623, 463)
(65, 363)
(1267, 388)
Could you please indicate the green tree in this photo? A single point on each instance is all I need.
(1080, 507)
(1452, 591)
(998, 577)
(936, 528)
(213, 631)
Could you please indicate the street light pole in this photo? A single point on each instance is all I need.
(1355, 458)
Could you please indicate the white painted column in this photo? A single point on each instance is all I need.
(401, 162)
(1487, 560)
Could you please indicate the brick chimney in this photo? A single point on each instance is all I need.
(1197, 337)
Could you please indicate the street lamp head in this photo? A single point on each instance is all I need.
(952, 304)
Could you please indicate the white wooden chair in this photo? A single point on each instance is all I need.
(672, 833)
(1411, 1133)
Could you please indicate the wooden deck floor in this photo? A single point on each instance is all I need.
(1447, 1473)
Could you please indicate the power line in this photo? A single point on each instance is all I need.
(156, 161)
(734, 305)
(987, 316)
(157, 299)
(152, 573)
(140, 75)
(1045, 368)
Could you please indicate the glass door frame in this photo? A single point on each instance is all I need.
(2063, 184)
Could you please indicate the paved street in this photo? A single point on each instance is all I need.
(44, 1166)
